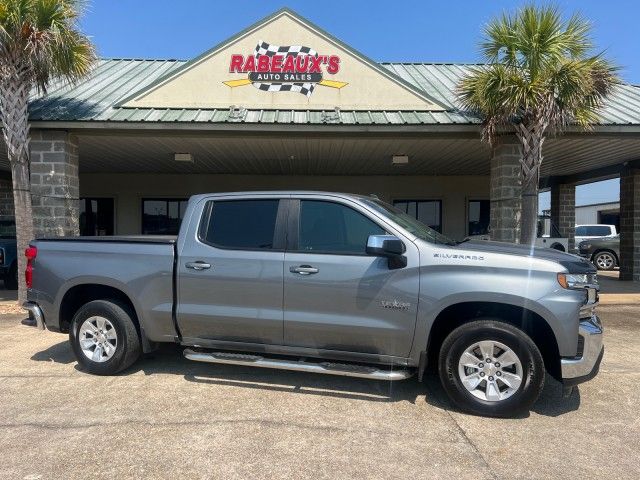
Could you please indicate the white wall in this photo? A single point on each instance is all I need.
(587, 214)
(129, 189)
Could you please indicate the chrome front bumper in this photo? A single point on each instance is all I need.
(36, 313)
(580, 369)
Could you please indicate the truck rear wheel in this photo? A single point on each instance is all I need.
(490, 368)
(104, 337)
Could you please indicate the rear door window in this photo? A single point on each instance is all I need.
(241, 224)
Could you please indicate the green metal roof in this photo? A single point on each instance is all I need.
(96, 100)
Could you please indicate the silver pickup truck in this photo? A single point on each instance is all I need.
(327, 283)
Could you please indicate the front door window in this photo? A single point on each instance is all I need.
(327, 227)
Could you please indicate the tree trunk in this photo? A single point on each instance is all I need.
(14, 99)
(531, 135)
(529, 218)
(24, 219)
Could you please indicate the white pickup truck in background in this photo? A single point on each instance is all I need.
(588, 232)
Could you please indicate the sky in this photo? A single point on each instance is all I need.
(420, 31)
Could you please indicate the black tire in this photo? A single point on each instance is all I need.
(608, 260)
(11, 280)
(465, 336)
(558, 246)
(127, 349)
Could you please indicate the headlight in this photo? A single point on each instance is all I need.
(577, 280)
(584, 246)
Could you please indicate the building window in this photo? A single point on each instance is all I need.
(96, 216)
(428, 212)
(162, 216)
(479, 217)
(242, 224)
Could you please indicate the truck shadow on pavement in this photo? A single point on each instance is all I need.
(58, 353)
(551, 402)
(168, 359)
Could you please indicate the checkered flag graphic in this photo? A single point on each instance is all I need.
(264, 48)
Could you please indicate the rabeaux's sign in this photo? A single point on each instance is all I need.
(293, 68)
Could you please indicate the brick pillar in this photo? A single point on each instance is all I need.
(54, 183)
(506, 205)
(6, 198)
(563, 211)
(630, 224)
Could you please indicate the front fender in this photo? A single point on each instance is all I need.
(558, 307)
(427, 316)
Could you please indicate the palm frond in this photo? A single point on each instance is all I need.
(538, 72)
(42, 39)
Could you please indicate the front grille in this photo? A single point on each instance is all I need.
(580, 346)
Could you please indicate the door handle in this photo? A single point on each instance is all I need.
(199, 265)
(304, 270)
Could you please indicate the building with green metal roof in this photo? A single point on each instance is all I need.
(284, 104)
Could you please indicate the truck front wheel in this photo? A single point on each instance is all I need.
(488, 367)
(605, 260)
(104, 337)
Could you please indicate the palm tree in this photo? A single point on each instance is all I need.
(539, 76)
(39, 41)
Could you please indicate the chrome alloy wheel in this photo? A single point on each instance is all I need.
(605, 261)
(98, 339)
(490, 370)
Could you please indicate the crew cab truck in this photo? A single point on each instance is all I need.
(327, 283)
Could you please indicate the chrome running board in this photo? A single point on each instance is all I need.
(328, 368)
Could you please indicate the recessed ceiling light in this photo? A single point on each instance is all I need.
(400, 160)
(183, 157)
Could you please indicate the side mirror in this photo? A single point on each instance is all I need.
(384, 246)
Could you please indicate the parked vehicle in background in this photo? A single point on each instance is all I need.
(587, 232)
(325, 283)
(604, 253)
(8, 257)
(548, 235)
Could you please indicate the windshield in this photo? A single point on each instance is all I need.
(407, 222)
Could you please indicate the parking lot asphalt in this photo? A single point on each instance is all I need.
(167, 417)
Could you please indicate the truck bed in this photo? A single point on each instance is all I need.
(141, 267)
(163, 239)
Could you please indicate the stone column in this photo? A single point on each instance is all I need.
(6, 198)
(563, 211)
(506, 188)
(630, 224)
(54, 183)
